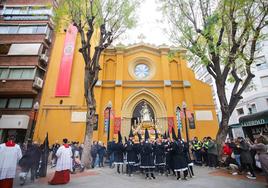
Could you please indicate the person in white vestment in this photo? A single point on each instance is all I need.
(10, 154)
(64, 164)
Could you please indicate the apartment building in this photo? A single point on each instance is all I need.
(26, 37)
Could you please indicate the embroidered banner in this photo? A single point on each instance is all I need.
(117, 124)
(170, 124)
(178, 116)
(64, 77)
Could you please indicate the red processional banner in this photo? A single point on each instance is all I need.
(117, 124)
(170, 124)
(64, 77)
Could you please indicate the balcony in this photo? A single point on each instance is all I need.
(23, 60)
(13, 87)
(22, 38)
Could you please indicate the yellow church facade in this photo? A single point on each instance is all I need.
(130, 76)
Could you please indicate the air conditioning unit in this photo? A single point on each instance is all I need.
(44, 58)
(38, 83)
(48, 39)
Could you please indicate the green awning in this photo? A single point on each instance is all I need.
(259, 118)
(235, 125)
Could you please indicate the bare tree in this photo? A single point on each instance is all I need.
(103, 21)
(223, 34)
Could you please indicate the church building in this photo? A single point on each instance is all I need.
(138, 83)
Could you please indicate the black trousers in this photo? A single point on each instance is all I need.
(205, 157)
(93, 161)
(198, 157)
(212, 160)
(185, 174)
(149, 171)
(248, 167)
(129, 169)
(101, 161)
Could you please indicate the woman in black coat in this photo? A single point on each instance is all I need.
(179, 161)
(30, 161)
(245, 156)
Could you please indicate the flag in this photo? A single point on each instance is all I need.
(44, 158)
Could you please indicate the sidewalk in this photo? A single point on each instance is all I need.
(106, 177)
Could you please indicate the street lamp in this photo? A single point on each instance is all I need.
(109, 107)
(184, 106)
(35, 108)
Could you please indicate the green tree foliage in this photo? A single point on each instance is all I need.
(223, 35)
(99, 23)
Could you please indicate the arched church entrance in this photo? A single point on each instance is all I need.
(137, 112)
(132, 107)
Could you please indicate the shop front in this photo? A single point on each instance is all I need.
(255, 124)
(13, 124)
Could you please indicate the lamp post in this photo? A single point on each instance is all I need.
(184, 106)
(109, 107)
(35, 108)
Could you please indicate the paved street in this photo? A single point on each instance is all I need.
(99, 178)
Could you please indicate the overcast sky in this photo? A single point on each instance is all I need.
(148, 26)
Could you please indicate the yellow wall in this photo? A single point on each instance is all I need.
(116, 64)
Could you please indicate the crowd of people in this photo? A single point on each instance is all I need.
(165, 155)
(242, 155)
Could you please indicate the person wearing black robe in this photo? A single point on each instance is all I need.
(178, 158)
(167, 146)
(188, 158)
(137, 150)
(159, 154)
(30, 162)
(147, 162)
(118, 149)
(130, 154)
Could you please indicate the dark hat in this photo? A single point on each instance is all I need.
(146, 134)
(165, 135)
(174, 134)
(131, 133)
(119, 137)
(156, 134)
(140, 138)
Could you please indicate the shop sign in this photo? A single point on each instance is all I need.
(253, 123)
